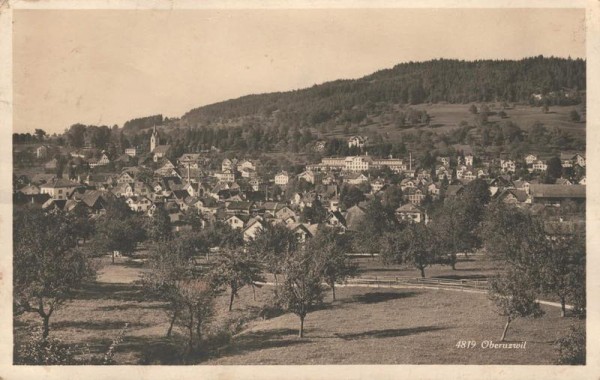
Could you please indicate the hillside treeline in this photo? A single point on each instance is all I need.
(552, 80)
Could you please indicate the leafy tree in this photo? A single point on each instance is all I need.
(563, 272)
(376, 221)
(554, 169)
(272, 245)
(473, 109)
(40, 134)
(351, 195)
(392, 198)
(118, 230)
(414, 245)
(314, 214)
(170, 263)
(332, 247)
(301, 289)
(456, 229)
(198, 299)
(513, 293)
(159, 226)
(513, 236)
(47, 266)
(235, 269)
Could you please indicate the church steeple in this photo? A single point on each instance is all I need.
(154, 141)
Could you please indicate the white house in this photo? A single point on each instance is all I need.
(59, 189)
(356, 141)
(282, 178)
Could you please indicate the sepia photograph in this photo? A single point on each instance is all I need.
(224, 186)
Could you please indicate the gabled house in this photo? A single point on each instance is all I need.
(411, 213)
(286, 214)
(138, 203)
(414, 195)
(514, 196)
(336, 219)
(237, 221)
(356, 179)
(308, 176)
(240, 207)
(354, 217)
(225, 175)
(59, 189)
(530, 159)
(123, 190)
(303, 231)
(252, 230)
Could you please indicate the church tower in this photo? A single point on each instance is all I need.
(154, 142)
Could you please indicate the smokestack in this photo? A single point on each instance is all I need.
(410, 161)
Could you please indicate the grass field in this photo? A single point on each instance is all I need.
(446, 117)
(364, 326)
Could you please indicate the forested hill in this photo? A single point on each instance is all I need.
(443, 80)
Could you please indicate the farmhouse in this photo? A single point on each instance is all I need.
(555, 194)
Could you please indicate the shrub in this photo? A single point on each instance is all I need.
(571, 348)
(36, 350)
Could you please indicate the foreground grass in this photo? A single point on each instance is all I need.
(386, 326)
(365, 326)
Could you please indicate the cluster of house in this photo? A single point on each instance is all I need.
(237, 196)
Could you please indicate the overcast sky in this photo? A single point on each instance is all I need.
(106, 67)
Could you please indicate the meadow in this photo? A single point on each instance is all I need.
(363, 326)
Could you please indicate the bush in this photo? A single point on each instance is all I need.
(571, 348)
(36, 350)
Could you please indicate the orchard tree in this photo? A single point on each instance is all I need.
(415, 244)
(159, 226)
(234, 269)
(563, 272)
(332, 247)
(47, 266)
(171, 263)
(272, 245)
(514, 295)
(301, 289)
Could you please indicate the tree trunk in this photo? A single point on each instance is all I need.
(301, 331)
(231, 300)
(563, 311)
(333, 290)
(505, 329)
(46, 329)
(453, 263)
(113, 257)
(171, 325)
(199, 332)
(253, 292)
(422, 272)
(275, 274)
(191, 332)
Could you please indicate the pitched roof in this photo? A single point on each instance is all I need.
(409, 207)
(557, 191)
(161, 149)
(60, 183)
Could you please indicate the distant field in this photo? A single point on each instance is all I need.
(365, 326)
(446, 117)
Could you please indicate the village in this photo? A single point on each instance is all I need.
(234, 192)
